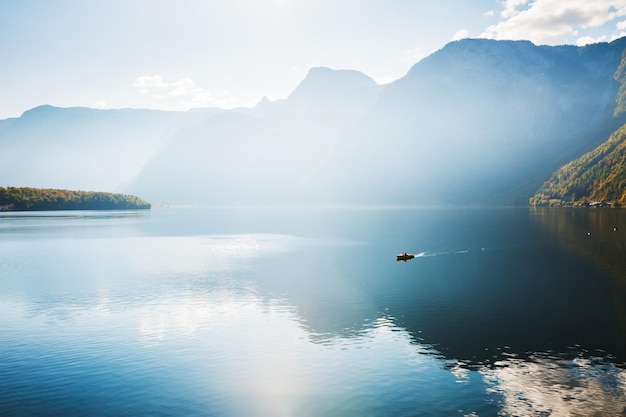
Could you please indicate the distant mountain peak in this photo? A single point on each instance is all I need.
(264, 102)
(43, 109)
(323, 76)
(329, 85)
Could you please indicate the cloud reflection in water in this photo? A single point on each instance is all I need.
(558, 387)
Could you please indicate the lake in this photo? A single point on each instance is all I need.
(306, 312)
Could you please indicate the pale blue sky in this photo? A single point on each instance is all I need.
(181, 54)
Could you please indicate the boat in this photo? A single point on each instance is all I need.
(404, 256)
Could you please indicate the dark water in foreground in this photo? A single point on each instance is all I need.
(305, 312)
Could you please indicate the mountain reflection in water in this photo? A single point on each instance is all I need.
(596, 234)
(306, 312)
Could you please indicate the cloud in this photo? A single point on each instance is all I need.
(553, 22)
(620, 30)
(586, 40)
(145, 83)
(182, 94)
(101, 104)
(511, 8)
(460, 34)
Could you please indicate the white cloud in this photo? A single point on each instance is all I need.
(101, 104)
(586, 40)
(184, 87)
(146, 83)
(553, 22)
(460, 34)
(182, 94)
(617, 35)
(511, 8)
(620, 30)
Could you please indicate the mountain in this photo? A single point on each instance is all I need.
(82, 148)
(599, 176)
(332, 95)
(477, 122)
(267, 155)
(484, 121)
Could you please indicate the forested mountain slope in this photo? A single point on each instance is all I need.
(597, 177)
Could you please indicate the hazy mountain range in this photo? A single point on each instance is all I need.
(479, 121)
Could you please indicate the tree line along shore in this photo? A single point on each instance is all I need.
(42, 199)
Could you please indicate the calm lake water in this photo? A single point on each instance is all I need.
(306, 312)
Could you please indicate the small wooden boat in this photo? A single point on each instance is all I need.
(404, 256)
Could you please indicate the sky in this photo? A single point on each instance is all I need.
(177, 55)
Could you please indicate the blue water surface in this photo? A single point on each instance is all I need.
(274, 311)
